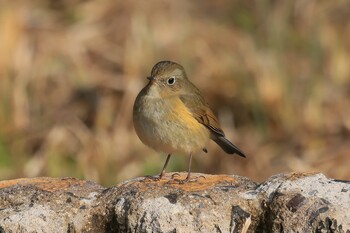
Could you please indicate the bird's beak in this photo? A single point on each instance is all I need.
(151, 79)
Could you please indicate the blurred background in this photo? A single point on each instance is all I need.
(276, 73)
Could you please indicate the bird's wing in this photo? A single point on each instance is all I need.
(202, 113)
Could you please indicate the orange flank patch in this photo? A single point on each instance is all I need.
(183, 114)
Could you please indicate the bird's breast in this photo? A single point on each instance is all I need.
(167, 125)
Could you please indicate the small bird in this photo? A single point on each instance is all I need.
(170, 115)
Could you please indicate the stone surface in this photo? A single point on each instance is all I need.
(306, 203)
(209, 204)
(49, 205)
(296, 202)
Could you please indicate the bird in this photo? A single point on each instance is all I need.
(171, 116)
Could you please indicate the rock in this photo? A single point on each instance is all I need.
(296, 202)
(49, 205)
(212, 203)
(306, 203)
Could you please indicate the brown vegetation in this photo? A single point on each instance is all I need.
(276, 73)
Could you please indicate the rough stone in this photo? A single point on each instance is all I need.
(209, 204)
(48, 205)
(306, 203)
(295, 202)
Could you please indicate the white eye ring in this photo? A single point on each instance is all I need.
(171, 80)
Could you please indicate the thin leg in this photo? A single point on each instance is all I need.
(189, 169)
(165, 164)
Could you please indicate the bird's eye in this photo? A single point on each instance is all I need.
(171, 80)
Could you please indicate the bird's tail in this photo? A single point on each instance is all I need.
(227, 146)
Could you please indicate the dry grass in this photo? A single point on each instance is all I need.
(277, 74)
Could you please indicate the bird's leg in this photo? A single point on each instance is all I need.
(187, 179)
(159, 177)
(189, 170)
(165, 164)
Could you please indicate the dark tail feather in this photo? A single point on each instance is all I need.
(227, 146)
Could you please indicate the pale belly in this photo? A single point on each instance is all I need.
(168, 127)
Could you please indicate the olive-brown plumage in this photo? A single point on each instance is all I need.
(170, 115)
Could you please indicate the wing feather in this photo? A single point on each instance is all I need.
(202, 113)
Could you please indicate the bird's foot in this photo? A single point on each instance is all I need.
(150, 178)
(174, 175)
(183, 181)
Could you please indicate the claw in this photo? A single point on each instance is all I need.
(175, 174)
(152, 178)
(179, 181)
